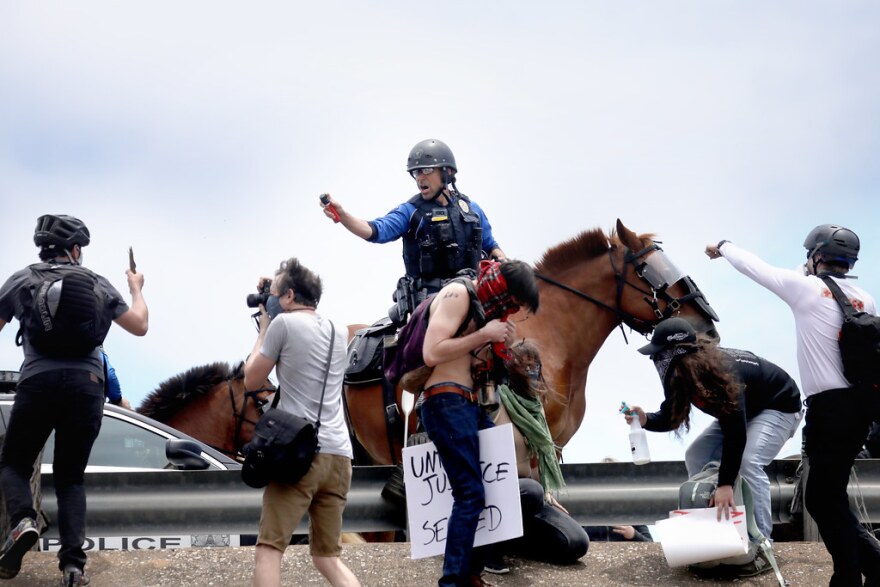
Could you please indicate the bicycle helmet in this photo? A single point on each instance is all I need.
(430, 153)
(833, 244)
(61, 231)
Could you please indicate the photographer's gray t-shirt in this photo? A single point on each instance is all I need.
(298, 342)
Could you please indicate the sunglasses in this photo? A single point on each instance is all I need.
(422, 171)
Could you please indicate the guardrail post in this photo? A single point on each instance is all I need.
(811, 530)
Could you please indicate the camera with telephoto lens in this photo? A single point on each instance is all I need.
(254, 300)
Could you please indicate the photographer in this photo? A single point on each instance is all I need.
(294, 340)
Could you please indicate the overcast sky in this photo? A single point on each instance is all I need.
(201, 134)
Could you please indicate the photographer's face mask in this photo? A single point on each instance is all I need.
(273, 307)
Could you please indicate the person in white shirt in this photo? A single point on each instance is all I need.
(839, 414)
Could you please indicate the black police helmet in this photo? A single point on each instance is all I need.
(60, 231)
(670, 332)
(833, 244)
(430, 153)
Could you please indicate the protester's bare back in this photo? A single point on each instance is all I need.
(450, 355)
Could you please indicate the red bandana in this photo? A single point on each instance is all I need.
(492, 292)
(496, 299)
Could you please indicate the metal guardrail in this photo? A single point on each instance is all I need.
(217, 502)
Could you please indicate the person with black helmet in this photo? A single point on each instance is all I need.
(443, 231)
(60, 393)
(839, 414)
(757, 407)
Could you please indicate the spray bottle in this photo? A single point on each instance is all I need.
(638, 440)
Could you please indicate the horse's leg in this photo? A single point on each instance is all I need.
(387, 536)
(367, 413)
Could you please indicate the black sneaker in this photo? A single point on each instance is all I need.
(20, 540)
(496, 566)
(756, 566)
(73, 576)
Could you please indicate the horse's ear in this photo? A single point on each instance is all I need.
(629, 239)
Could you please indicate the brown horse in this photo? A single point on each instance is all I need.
(210, 404)
(589, 285)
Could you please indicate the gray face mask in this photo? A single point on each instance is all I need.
(273, 307)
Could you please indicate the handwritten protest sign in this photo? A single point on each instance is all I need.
(429, 494)
(695, 535)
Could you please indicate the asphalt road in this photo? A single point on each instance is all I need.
(606, 564)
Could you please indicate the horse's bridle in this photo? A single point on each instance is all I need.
(658, 276)
(240, 417)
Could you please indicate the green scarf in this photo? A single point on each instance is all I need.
(528, 416)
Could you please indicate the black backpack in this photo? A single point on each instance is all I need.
(859, 340)
(406, 355)
(65, 312)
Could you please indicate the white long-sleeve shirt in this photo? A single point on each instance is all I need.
(817, 316)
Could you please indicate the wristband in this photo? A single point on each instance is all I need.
(721, 242)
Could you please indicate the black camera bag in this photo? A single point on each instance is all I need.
(859, 340)
(284, 445)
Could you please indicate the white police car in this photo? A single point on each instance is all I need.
(129, 442)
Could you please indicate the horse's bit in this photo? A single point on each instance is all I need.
(239, 416)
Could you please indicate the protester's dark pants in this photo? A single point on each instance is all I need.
(549, 534)
(837, 424)
(70, 401)
(452, 424)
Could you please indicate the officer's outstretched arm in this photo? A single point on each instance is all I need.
(354, 225)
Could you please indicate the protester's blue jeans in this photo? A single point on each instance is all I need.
(452, 424)
(766, 432)
(70, 401)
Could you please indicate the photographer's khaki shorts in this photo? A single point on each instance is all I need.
(323, 492)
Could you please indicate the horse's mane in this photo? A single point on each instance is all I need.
(585, 246)
(176, 392)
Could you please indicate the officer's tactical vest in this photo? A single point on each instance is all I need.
(442, 240)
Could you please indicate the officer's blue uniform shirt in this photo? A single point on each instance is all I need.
(395, 224)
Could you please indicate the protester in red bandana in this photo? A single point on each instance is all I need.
(496, 300)
(493, 292)
(450, 413)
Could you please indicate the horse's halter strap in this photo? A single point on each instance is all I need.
(239, 416)
(658, 276)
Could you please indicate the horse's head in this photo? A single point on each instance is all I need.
(210, 403)
(246, 406)
(589, 285)
(651, 288)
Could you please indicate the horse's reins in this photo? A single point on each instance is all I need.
(637, 324)
(240, 417)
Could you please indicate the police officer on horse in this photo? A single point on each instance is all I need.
(444, 232)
